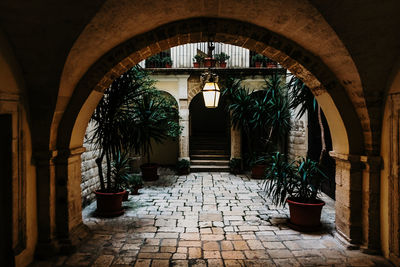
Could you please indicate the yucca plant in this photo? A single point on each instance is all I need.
(299, 180)
(114, 126)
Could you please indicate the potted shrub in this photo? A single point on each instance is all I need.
(134, 183)
(156, 119)
(258, 165)
(258, 60)
(198, 60)
(235, 165)
(153, 61)
(113, 133)
(167, 62)
(222, 58)
(209, 62)
(297, 183)
(183, 167)
(270, 64)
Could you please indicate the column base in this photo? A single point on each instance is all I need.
(76, 236)
(345, 241)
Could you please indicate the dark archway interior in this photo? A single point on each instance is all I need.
(209, 127)
(6, 255)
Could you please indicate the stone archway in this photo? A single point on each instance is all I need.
(347, 131)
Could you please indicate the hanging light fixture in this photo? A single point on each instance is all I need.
(211, 92)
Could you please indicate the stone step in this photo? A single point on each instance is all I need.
(210, 162)
(209, 157)
(208, 168)
(208, 152)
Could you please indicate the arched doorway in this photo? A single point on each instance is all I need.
(209, 141)
(346, 127)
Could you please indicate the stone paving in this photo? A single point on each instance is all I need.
(208, 219)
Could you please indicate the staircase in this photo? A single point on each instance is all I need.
(209, 153)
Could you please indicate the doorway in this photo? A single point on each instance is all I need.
(6, 252)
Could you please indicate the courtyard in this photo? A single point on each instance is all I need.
(208, 219)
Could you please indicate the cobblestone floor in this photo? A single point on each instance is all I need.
(208, 219)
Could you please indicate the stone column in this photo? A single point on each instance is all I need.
(70, 229)
(184, 117)
(358, 200)
(348, 205)
(46, 245)
(371, 204)
(236, 143)
(184, 137)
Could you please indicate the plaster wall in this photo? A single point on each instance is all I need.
(11, 101)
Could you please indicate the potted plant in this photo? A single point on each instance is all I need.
(209, 62)
(235, 165)
(270, 64)
(113, 133)
(297, 183)
(134, 183)
(258, 60)
(198, 60)
(258, 165)
(156, 119)
(222, 58)
(154, 61)
(183, 167)
(167, 62)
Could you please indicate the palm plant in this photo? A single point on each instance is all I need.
(156, 118)
(299, 180)
(114, 127)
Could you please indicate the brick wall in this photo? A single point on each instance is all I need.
(297, 141)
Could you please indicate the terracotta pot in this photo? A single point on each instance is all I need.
(196, 64)
(257, 64)
(257, 171)
(305, 217)
(135, 190)
(222, 64)
(109, 204)
(209, 62)
(149, 171)
(168, 66)
(271, 65)
(126, 196)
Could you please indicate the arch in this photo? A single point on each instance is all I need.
(329, 92)
(349, 140)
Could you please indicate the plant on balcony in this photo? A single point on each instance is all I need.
(299, 184)
(222, 58)
(154, 61)
(183, 167)
(167, 62)
(113, 134)
(270, 64)
(258, 60)
(156, 118)
(198, 60)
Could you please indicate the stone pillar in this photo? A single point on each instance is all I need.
(46, 245)
(371, 204)
(358, 200)
(236, 143)
(60, 226)
(70, 229)
(184, 117)
(184, 137)
(348, 203)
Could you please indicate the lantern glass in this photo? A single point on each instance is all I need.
(211, 94)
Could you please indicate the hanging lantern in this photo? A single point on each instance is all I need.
(211, 94)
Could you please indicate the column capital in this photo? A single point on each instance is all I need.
(366, 161)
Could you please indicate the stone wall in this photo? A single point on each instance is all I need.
(297, 139)
(90, 177)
